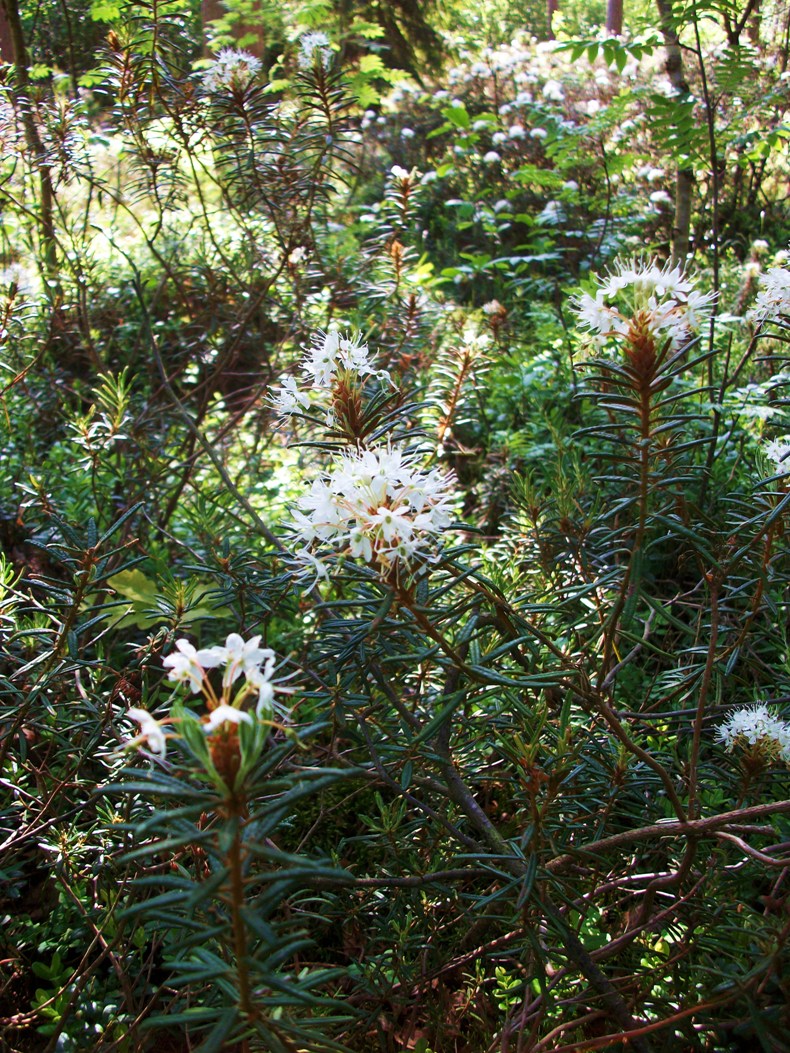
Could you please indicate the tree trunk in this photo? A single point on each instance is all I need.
(38, 154)
(552, 6)
(684, 180)
(6, 43)
(211, 10)
(614, 17)
(753, 25)
(749, 20)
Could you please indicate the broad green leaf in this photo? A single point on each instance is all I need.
(457, 116)
(105, 11)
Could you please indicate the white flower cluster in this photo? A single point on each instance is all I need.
(188, 666)
(757, 726)
(329, 357)
(663, 298)
(778, 451)
(401, 178)
(237, 657)
(377, 505)
(18, 275)
(309, 45)
(773, 296)
(232, 69)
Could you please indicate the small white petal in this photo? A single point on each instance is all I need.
(225, 714)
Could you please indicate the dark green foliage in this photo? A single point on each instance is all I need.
(486, 805)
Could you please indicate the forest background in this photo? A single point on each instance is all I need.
(394, 571)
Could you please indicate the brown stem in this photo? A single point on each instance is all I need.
(574, 948)
(235, 861)
(23, 98)
(645, 352)
(698, 827)
(715, 585)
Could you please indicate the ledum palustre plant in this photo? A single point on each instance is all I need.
(554, 816)
(359, 776)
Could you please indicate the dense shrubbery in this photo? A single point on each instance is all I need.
(394, 570)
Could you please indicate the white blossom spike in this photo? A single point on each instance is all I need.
(380, 506)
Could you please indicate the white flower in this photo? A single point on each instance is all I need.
(594, 315)
(16, 274)
(778, 451)
(295, 256)
(697, 310)
(773, 297)
(329, 354)
(266, 705)
(151, 732)
(232, 69)
(407, 133)
(553, 91)
(376, 505)
(360, 544)
(756, 725)
(309, 560)
(225, 714)
(659, 300)
(265, 688)
(187, 664)
(647, 279)
(393, 522)
(309, 45)
(491, 158)
(290, 398)
(340, 352)
(552, 213)
(538, 133)
(239, 656)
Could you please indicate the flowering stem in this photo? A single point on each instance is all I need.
(715, 585)
(463, 365)
(235, 858)
(645, 432)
